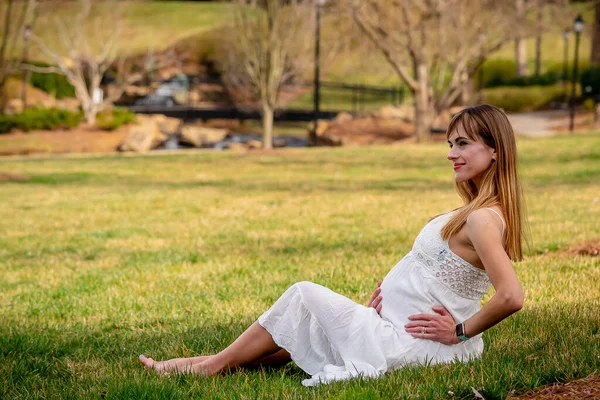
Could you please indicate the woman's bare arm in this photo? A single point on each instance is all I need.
(485, 234)
(508, 299)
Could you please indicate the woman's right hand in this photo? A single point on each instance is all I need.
(376, 298)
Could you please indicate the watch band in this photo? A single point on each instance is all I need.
(460, 332)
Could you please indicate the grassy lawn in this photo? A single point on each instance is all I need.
(102, 259)
(148, 24)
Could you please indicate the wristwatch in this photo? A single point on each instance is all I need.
(460, 332)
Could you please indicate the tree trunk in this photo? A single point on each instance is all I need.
(467, 92)
(89, 111)
(520, 45)
(595, 58)
(424, 110)
(538, 38)
(267, 120)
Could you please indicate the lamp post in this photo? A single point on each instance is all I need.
(319, 4)
(577, 27)
(24, 58)
(565, 76)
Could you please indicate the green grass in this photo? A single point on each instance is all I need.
(147, 25)
(102, 259)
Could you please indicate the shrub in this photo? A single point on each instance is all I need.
(52, 83)
(558, 69)
(6, 123)
(590, 81)
(117, 117)
(517, 99)
(41, 118)
(496, 73)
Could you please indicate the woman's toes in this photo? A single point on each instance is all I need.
(147, 362)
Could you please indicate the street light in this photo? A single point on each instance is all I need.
(565, 77)
(24, 59)
(319, 4)
(577, 27)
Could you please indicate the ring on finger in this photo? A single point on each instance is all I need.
(423, 330)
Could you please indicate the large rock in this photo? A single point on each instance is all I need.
(149, 132)
(324, 135)
(329, 139)
(14, 106)
(255, 144)
(168, 126)
(199, 135)
(404, 112)
(322, 127)
(343, 118)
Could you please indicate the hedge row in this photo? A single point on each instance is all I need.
(503, 72)
(518, 99)
(40, 118)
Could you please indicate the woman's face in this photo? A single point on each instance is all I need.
(470, 158)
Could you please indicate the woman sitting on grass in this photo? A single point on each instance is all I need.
(427, 309)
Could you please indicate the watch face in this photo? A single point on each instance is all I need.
(459, 330)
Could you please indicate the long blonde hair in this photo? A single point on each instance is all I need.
(500, 183)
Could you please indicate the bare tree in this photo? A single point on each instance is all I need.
(90, 43)
(538, 36)
(520, 36)
(265, 51)
(17, 19)
(548, 16)
(434, 46)
(595, 57)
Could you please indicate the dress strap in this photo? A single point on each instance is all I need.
(501, 219)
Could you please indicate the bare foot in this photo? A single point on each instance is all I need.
(204, 368)
(178, 365)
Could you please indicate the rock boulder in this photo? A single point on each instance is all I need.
(200, 135)
(149, 132)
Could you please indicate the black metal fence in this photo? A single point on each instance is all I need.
(335, 97)
(362, 95)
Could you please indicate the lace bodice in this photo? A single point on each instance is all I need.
(434, 254)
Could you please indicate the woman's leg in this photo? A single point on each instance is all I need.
(279, 358)
(174, 364)
(254, 345)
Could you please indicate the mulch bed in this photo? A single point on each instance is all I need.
(581, 389)
(589, 248)
(12, 177)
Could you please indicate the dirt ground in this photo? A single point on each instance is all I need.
(83, 139)
(581, 389)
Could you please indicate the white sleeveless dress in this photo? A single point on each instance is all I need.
(333, 338)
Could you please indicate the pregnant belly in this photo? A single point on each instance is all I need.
(404, 292)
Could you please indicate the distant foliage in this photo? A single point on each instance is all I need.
(40, 118)
(590, 81)
(55, 84)
(6, 123)
(496, 73)
(519, 99)
(114, 119)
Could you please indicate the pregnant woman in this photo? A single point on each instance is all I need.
(427, 309)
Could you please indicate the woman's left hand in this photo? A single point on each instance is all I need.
(439, 327)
